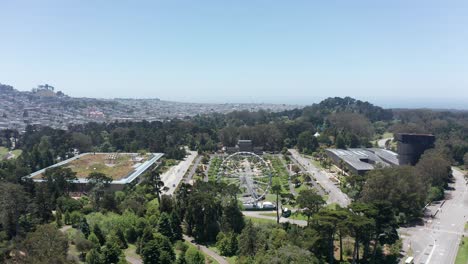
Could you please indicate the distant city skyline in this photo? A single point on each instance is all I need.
(394, 54)
(385, 102)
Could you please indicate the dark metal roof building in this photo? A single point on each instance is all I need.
(361, 160)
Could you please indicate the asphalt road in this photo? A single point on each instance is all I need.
(335, 195)
(437, 241)
(174, 175)
(193, 169)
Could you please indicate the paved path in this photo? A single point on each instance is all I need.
(133, 260)
(64, 228)
(206, 250)
(381, 142)
(131, 256)
(335, 195)
(258, 214)
(292, 188)
(174, 175)
(193, 169)
(438, 240)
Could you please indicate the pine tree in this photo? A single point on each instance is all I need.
(175, 225)
(121, 239)
(164, 226)
(131, 234)
(232, 218)
(58, 218)
(248, 240)
(93, 257)
(158, 250)
(94, 239)
(111, 252)
(84, 227)
(145, 237)
(67, 218)
(98, 232)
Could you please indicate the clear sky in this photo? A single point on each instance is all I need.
(239, 51)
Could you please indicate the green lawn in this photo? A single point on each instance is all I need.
(17, 152)
(232, 260)
(269, 214)
(293, 216)
(384, 135)
(300, 188)
(260, 220)
(213, 170)
(317, 164)
(462, 256)
(271, 198)
(3, 151)
(387, 135)
(378, 137)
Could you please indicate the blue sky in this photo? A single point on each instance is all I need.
(239, 51)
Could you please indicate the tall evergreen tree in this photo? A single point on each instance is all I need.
(84, 227)
(94, 257)
(249, 240)
(176, 226)
(164, 226)
(98, 232)
(232, 218)
(158, 250)
(121, 238)
(111, 252)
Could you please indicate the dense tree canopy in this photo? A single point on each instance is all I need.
(105, 222)
(401, 186)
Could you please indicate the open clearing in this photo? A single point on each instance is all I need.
(4, 152)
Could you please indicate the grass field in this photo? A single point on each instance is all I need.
(4, 151)
(117, 169)
(387, 135)
(377, 137)
(17, 152)
(260, 220)
(293, 216)
(462, 256)
(300, 188)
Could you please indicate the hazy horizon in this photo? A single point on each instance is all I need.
(397, 54)
(454, 103)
